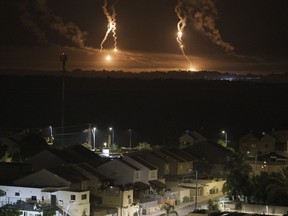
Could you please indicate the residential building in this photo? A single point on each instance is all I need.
(212, 158)
(281, 140)
(253, 144)
(121, 171)
(180, 162)
(190, 138)
(272, 162)
(64, 202)
(157, 160)
(148, 171)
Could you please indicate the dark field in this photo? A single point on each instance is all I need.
(158, 111)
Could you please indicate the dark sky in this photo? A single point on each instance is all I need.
(224, 35)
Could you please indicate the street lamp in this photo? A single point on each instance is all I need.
(112, 131)
(225, 133)
(94, 139)
(196, 194)
(63, 59)
(130, 138)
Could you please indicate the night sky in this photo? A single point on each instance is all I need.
(248, 36)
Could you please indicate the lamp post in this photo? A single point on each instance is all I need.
(196, 194)
(225, 134)
(63, 59)
(94, 138)
(112, 134)
(130, 138)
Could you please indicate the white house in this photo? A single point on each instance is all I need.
(190, 138)
(123, 172)
(74, 203)
(148, 171)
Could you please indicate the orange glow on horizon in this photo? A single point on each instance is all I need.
(108, 58)
(192, 69)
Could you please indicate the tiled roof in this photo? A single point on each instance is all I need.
(157, 183)
(143, 162)
(129, 164)
(69, 174)
(179, 155)
(141, 186)
(93, 171)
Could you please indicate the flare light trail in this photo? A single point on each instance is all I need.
(180, 28)
(110, 14)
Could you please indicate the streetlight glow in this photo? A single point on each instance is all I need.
(225, 133)
(94, 138)
(112, 135)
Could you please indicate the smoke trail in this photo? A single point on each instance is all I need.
(180, 28)
(45, 18)
(111, 26)
(202, 15)
(27, 20)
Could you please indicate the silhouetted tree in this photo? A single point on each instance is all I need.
(11, 212)
(278, 190)
(259, 183)
(238, 182)
(3, 149)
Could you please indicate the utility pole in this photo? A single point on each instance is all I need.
(196, 194)
(130, 138)
(63, 59)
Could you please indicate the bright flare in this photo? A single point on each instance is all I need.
(180, 27)
(111, 26)
(108, 58)
(192, 69)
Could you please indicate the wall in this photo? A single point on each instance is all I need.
(24, 194)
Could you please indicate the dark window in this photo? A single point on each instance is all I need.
(33, 198)
(17, 194)
(84, 196)
(73, 197)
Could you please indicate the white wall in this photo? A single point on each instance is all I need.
(75, 207)
(24, 194)
(146, 173)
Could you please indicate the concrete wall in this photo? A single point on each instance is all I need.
(13, 194)
(260, 209)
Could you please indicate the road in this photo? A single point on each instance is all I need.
(184, 208)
